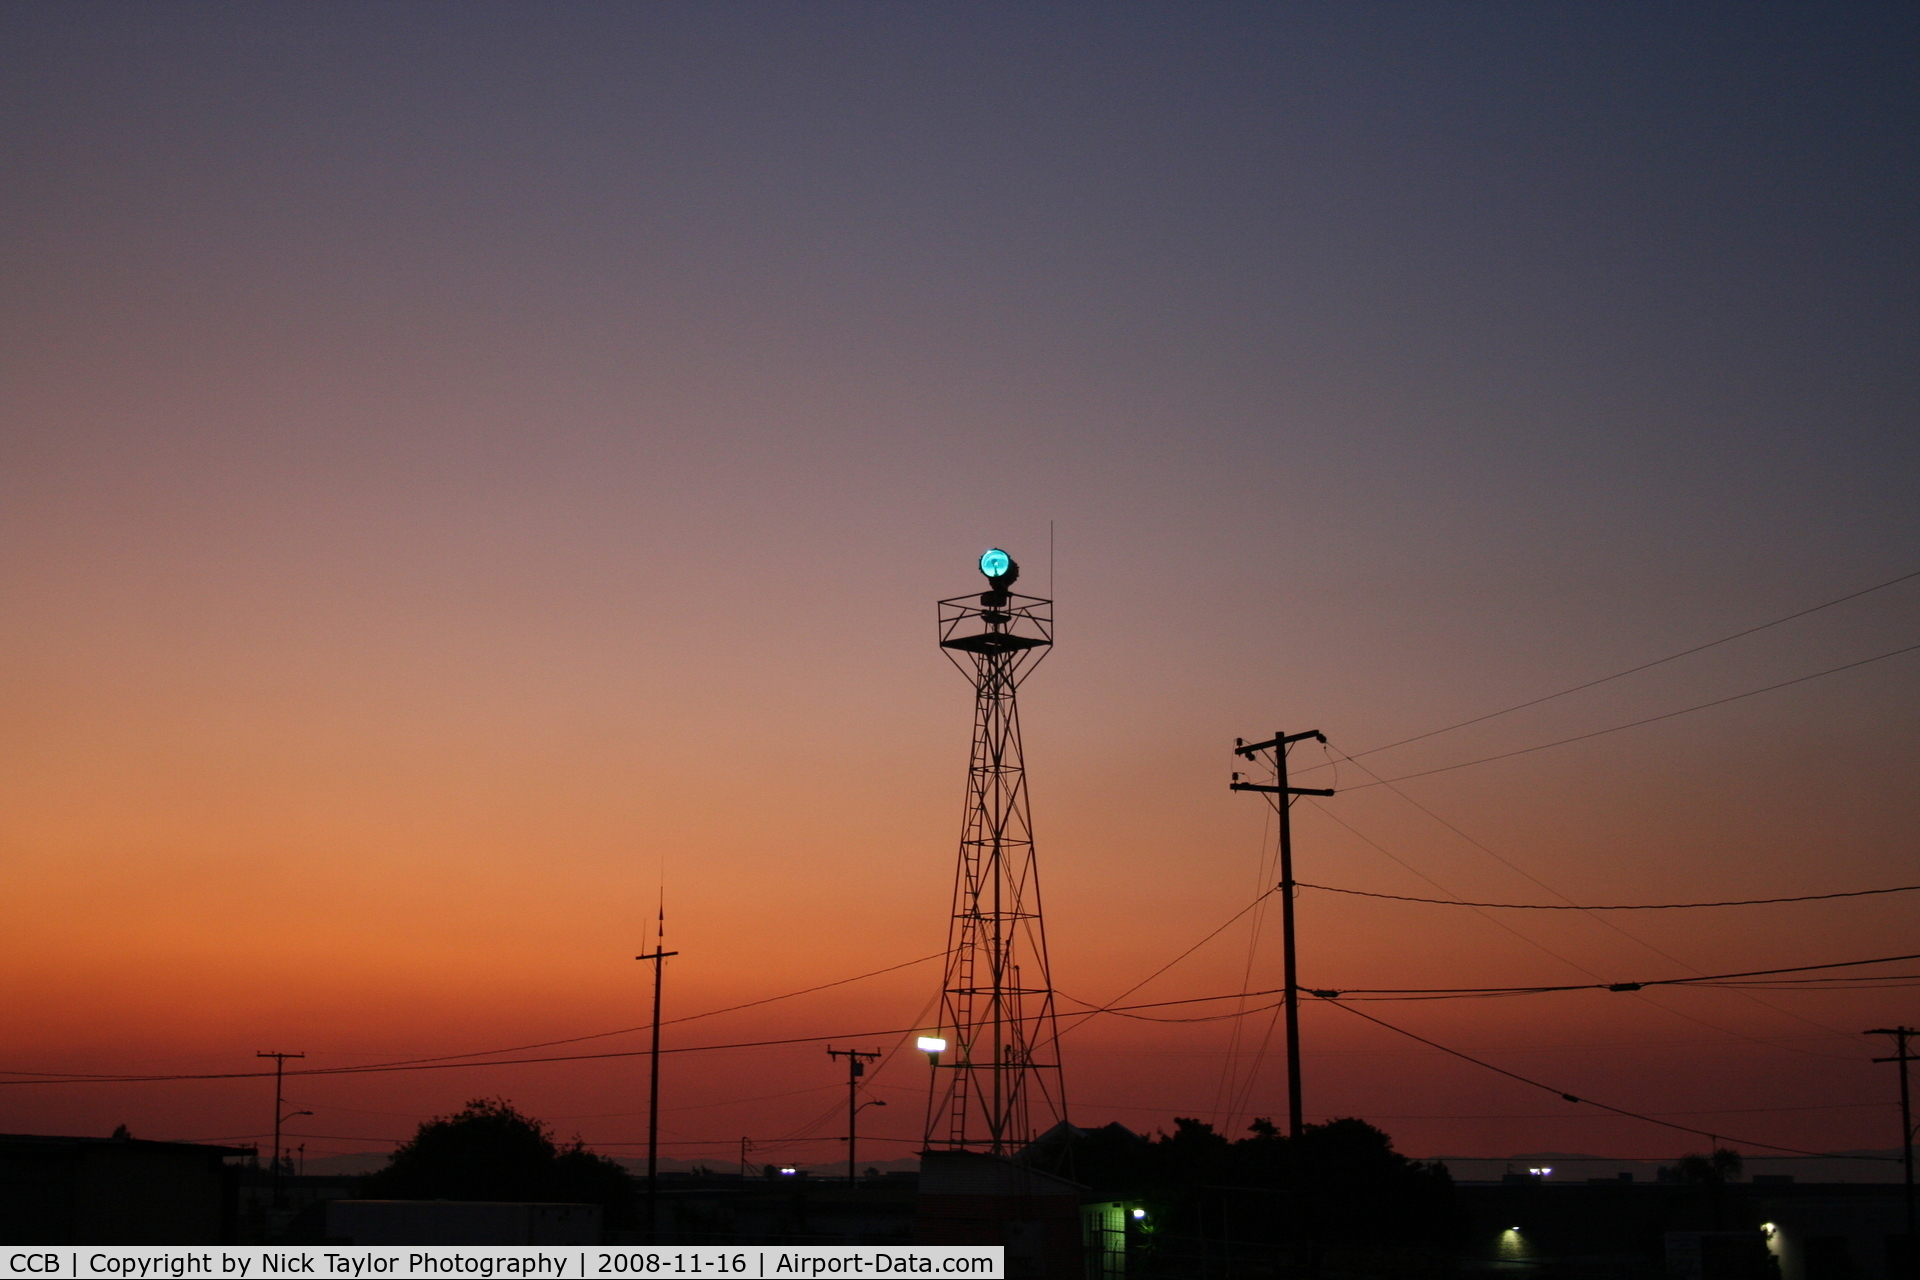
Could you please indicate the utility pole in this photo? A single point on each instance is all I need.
(1283, 801)
(1902, 1055)
(659, 958)
(279, 1104)
(745, 1147)
(857, 1061)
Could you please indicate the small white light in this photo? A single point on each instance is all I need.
(1139, 1213)
(931, 1044)
(788, 1171)
(1767, 1229)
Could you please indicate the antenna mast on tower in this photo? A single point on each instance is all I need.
(997, 1000)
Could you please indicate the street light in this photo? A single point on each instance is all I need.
(280, 1152)
(852, 1176)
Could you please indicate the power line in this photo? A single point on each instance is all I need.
(1229, 1088)
(1596, 917)
(691, 1017)
(1668, 715)
(1330, 994)
(1126, 1010)
(451, 1058)
(1697, 1111)
(1651, 982)
(1653, 906)
(1176, 960)
(1550, 1115)
(42, 1077)
(1890, 983)
(1672, 657)
(1495, 921)
(1622, 1111)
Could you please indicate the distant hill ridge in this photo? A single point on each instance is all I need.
(1573, 1166)
(368, 1161)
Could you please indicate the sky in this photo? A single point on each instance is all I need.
(467, 470)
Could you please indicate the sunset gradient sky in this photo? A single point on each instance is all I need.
(465, 465)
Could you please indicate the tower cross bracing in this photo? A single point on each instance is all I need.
(1003, 1073)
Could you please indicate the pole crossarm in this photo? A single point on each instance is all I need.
(1291, 791)
(1251, 749)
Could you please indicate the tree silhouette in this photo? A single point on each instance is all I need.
(489, 1151)
(1723, 1166)
(1338, 1185)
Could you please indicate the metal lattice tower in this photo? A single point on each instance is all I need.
(1003, 1070)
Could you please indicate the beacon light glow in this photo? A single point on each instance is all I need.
(930, 1044)
(995, 562)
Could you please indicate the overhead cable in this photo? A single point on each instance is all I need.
(1089, 1010)
(1620, 1111)
(1332, 994)
(1632, 986)
(1597, 917)
(1672, 657)
(1169, 964)
(452, 1058)
(1640, 906)
(690, 1017)
(42, 1077)
(1635, 724)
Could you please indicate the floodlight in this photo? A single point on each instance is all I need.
(1139, 1213)
(931, 1044)
(994, 563)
